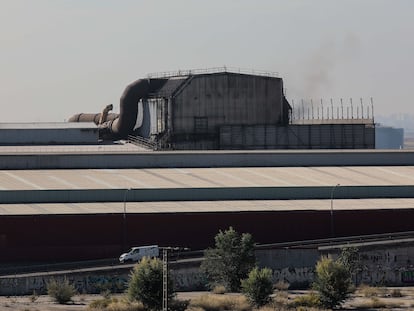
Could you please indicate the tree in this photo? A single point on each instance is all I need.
(349, 257)
(258, 286)
(332, 282)
(145, 283)
(231, 259)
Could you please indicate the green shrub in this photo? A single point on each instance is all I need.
(332, 282)
(231, 260)
(61, 291)
(258, 286)
(145, 283)
(350, 258)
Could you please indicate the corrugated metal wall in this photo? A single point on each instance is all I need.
(76, 237)
(227, 98)
(49, 136)
(322, 136)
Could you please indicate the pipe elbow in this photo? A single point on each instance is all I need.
(132, 94)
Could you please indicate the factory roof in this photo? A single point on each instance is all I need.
(72, 149)
(169, 87)
(206, 177)
(47, 125)
(203, 206)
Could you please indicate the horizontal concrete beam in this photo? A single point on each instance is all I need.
(204, 194)
(264, 158)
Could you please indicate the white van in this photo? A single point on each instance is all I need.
(137, 253)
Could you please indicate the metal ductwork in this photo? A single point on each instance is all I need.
(114, 126)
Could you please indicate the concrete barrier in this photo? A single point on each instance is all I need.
(387, 263)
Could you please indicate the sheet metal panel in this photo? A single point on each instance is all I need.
(227, 99)
(56, 237)
(322, 136)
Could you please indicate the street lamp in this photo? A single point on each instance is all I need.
(332, 218)
(124, 220)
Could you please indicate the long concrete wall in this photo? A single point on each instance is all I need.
(381, 265)
(185, 277)
(177, 159)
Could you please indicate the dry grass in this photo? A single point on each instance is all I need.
(285, 308)
(219, 290)
(376, 303)
(372, 291)
(279, 300)
(33, 297)
(114, 304)
(282, 286)
(125, 306)
(396, 292)
(309, 300)
(220, 303)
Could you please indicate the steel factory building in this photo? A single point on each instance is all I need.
(69, 192)
(74, 202)
(223, 109)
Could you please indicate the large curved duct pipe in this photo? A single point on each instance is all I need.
(85, 117)
(92, 117)
(128, 109)
(118, 126)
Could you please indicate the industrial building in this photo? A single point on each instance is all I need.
(73, 203)
(52, 133)
(223, 109)
(68, 194)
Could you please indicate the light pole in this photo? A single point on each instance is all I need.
(124, 221)
(332, 218)
(165, 288)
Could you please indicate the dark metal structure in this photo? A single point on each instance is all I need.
(186, 110)
(222, 109)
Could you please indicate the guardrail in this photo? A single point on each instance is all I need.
(333, 241)
(142, 142)
(184, 73)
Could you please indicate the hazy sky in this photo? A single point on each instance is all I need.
(61, 57)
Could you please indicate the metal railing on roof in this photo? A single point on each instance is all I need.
(189, 72)
(331, 112)
(143, 142)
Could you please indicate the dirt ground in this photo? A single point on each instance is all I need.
(80, 302)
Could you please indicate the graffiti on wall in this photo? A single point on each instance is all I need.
(407, 276)
(297, 277)
(189, 279)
